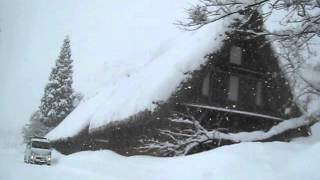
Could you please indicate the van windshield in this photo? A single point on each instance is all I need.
(41, 145)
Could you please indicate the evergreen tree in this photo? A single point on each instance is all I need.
(59, 98)
(57, 101)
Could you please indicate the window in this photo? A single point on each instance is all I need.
(235, 55)
(259, 94)
(233, 88)
(205, 85)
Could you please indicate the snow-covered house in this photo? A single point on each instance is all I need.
(228, 81)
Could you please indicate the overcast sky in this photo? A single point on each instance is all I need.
(22, 73)
(31, 35)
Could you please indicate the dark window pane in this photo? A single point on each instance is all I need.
(235, 55)
(233, 88)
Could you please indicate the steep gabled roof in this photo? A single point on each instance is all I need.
(155, 81)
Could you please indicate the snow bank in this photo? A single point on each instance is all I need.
(155, 79)
(245, 161)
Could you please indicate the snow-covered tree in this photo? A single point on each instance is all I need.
(36, 127)
(59, 98)
(57, 101)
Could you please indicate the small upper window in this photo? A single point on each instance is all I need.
(235, 55)
(205, 85)
(233, 88)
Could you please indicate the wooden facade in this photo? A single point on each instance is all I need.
(242, 80)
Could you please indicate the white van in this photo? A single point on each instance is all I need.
(38, 151)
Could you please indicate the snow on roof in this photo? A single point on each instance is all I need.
(152, 62)
(154, 80)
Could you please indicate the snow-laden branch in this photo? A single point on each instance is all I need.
(300, 22)
(183, 144)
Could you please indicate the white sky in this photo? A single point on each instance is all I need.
(30, 39)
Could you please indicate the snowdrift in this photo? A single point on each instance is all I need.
(297, 160)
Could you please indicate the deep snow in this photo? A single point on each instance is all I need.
(298, 160)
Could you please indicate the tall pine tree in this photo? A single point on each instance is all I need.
(59, 98)
(57, 101)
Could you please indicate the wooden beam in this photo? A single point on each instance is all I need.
(233, 111)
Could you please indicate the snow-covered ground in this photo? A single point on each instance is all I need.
(298, 160)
